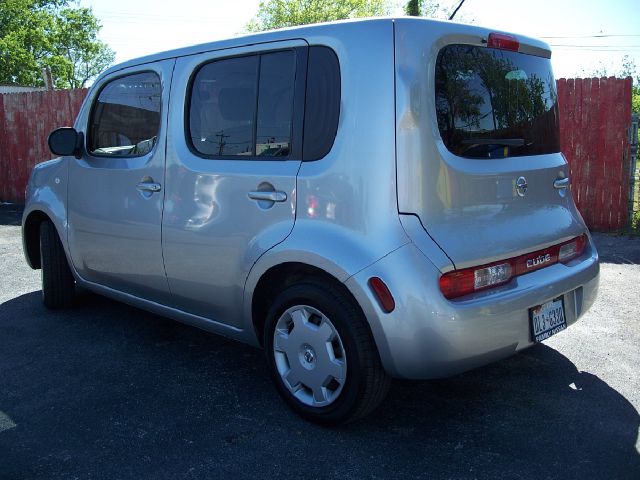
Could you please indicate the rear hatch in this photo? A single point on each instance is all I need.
(478, 144)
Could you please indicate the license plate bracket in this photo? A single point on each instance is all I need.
(547, 319)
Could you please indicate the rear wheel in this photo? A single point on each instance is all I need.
(58, 285)
(322, 356)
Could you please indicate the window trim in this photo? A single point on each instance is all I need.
(94, 101)
(297, 114)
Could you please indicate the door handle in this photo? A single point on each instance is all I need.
(561, 183)
(268, 196)
(149, 187)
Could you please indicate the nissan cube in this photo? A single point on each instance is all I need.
(362, 199)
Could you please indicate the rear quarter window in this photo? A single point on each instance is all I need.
(494, 103)
(322, 104)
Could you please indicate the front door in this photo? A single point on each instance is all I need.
(232, 162)
(116, 189)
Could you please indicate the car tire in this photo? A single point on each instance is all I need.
(58, 284)
(321, 354)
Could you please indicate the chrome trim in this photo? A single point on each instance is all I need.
(276, 196)
(561, 183)
(149, 187)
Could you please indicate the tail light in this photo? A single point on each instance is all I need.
(572, 249)
(474, 279)
(503, 41)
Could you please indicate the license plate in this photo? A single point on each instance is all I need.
(547, 319)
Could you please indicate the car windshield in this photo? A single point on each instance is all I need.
(494, 103)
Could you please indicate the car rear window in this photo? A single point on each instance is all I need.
(494, 103)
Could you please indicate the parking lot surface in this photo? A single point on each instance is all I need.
(104, 390)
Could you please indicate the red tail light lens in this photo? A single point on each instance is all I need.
(462, 282)
(469, 280)
(503, 41)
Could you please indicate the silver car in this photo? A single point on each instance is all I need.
(363, 199)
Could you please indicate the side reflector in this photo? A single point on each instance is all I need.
(382, 294)
(503, 41)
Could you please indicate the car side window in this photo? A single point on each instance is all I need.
(125, 117)
(322, 102)
(275, 104)
(243, 106)
(223, 102)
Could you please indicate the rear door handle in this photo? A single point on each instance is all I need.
(149, 187)
(561, 183)
(268, 196)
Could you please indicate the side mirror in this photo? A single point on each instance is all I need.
(66, 141)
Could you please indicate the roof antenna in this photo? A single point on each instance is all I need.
(456, 10)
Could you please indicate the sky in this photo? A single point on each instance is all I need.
(585, 35)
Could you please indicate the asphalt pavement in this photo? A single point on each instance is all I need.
(107, 391)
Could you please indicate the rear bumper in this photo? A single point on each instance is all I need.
(427, 336)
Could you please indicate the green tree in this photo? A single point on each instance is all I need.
(412, 8)
(629, 69)
(288, 13)
(427, 8)
(35, 34)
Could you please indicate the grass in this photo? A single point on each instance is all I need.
(635, 216)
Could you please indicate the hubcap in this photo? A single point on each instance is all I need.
(309, 356)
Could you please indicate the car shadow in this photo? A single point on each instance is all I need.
(11, 214)
(619, 249)
(108, 388)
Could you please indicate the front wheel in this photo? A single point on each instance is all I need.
(322, 356)
(58, 284)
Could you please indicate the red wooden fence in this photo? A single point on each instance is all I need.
(26, 119)
(595, 117)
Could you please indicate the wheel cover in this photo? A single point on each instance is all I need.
(309, 356)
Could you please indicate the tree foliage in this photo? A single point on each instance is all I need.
(628, 68)
(412, 8)
(35, 34)
(427, 8)
(288, 13)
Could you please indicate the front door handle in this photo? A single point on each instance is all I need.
(274, 196)
(151, 187)
(561, 183)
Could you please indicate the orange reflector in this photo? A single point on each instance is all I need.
(382, 294)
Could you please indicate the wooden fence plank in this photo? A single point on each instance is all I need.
(595, 115)
(26, 119)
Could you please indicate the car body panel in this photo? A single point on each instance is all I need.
(464, 200)
(46, 194)
(427, 336)
(212, 231)
(114, 229)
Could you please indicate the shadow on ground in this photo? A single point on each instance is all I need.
(620, 249)
(109, 391)
(10, 214)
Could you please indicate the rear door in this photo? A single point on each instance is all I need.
(232, 162)
(491, 181)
